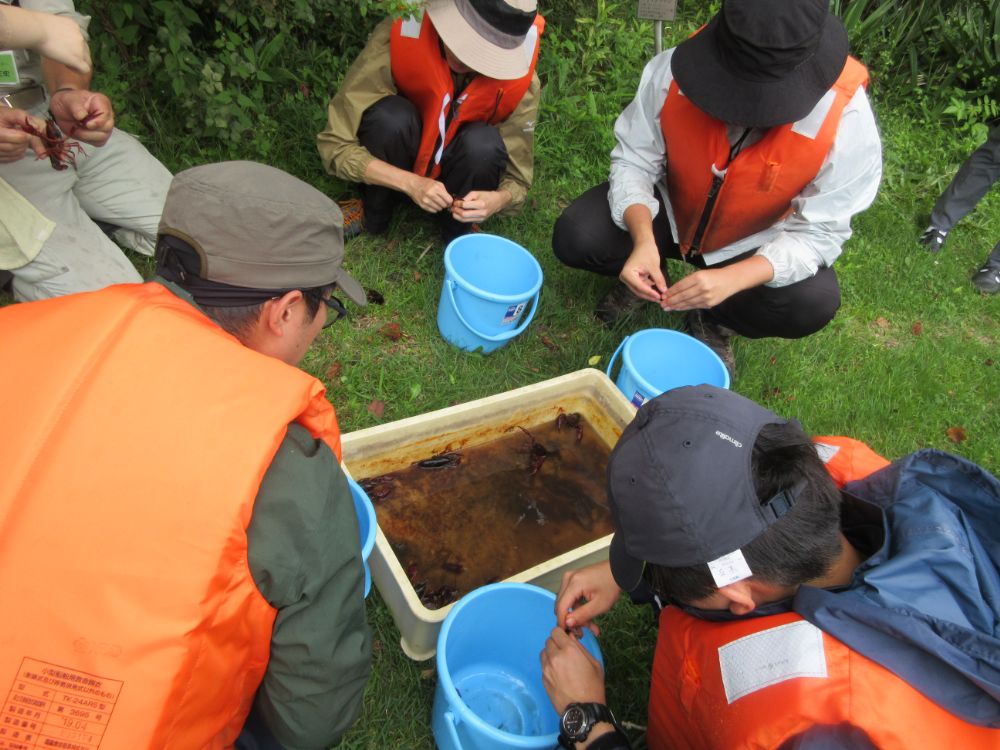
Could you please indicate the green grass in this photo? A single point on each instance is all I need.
(913, 352)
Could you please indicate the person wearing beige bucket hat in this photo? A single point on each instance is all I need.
(439, 107)
(746, 152)
(208, 535)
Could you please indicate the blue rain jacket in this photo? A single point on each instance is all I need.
(926, 605)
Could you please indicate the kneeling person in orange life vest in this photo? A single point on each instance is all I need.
(441, 108)
(797, 611)
(745, 153)
(179, 537)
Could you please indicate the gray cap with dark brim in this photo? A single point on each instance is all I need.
(258, 227)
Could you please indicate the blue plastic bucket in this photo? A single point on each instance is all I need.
(489, 692)
(489, 284)
(655, 360)
(367, 524)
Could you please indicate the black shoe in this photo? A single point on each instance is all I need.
(987, 278)
(713, 335)
(616, 305)
(933, 238)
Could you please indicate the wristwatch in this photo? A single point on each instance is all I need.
(579, 718)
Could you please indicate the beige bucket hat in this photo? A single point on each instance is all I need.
(493, 37)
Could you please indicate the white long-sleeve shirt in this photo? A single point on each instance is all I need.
(811, 236)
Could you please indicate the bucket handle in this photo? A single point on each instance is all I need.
(451, 722)
(450, 286)
(614, 356)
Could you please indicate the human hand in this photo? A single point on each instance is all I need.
(85, 115)
(479, 205)
(641, 273)
(63, 42)
(570, 674)
(430, 195)
(595, 587)
(933, 239)
(701, 289)
(14, 140)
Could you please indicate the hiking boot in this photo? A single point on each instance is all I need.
(616, 305)
(713, 335)
(987, 278)
(354, 217)
(933, 238)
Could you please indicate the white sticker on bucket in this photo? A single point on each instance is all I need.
(638, 400)
(513, 313)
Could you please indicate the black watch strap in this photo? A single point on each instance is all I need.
(595, 713)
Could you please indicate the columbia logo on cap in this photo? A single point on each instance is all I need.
(732, 440)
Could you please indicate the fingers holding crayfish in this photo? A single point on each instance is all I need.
(85, 115)
(20, 133)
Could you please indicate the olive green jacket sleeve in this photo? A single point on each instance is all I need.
(305, 557)
(369, 79)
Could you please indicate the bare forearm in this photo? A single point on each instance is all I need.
(639, 221)
(384, 174)
(58, 76)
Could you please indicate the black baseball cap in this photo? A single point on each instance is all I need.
(680, 482)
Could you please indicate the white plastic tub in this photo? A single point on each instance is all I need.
(390, 447)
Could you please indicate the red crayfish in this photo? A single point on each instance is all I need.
(571, 420)
(378, 488)
(60, 149)
(537, 453)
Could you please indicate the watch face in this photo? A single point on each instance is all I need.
(573, 721)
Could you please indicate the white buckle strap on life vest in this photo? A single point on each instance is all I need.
(762, 659)
(809, 125)
(442, 126)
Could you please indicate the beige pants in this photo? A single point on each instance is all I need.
(120, 183)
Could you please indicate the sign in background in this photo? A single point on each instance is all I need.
(658, 10)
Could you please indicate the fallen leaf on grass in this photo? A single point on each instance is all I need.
(917, 328)
(333, 372)
(304, 90)
(956, 434)
(988, 363)
(417, 275)
(391, 331)
(377, 408)
(594, 360)
(882, 323)
(550, 344)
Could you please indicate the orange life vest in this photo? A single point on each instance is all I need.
(760, 182)
(137, 433)
(765, 704)
(422, 75)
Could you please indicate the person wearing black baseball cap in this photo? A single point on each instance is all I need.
(439, 107)
(745, 153)
(795, 611)
(202, 548)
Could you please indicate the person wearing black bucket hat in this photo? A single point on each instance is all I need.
(440, 108)
(207, 534)
(746, 152)
(810, 595)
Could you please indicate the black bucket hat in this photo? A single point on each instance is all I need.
(761, 63)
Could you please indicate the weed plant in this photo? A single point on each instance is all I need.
(912, 359)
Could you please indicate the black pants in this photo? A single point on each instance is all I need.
(474, 160)
(585, 237)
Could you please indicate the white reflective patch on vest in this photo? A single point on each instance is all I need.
(810, 124)
(763, 659)
(411, 26)
(442, 126)
(529, 44)
(826, 452)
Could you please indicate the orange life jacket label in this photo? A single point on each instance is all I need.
(423, 76)
(138, 436)
(754, 191)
